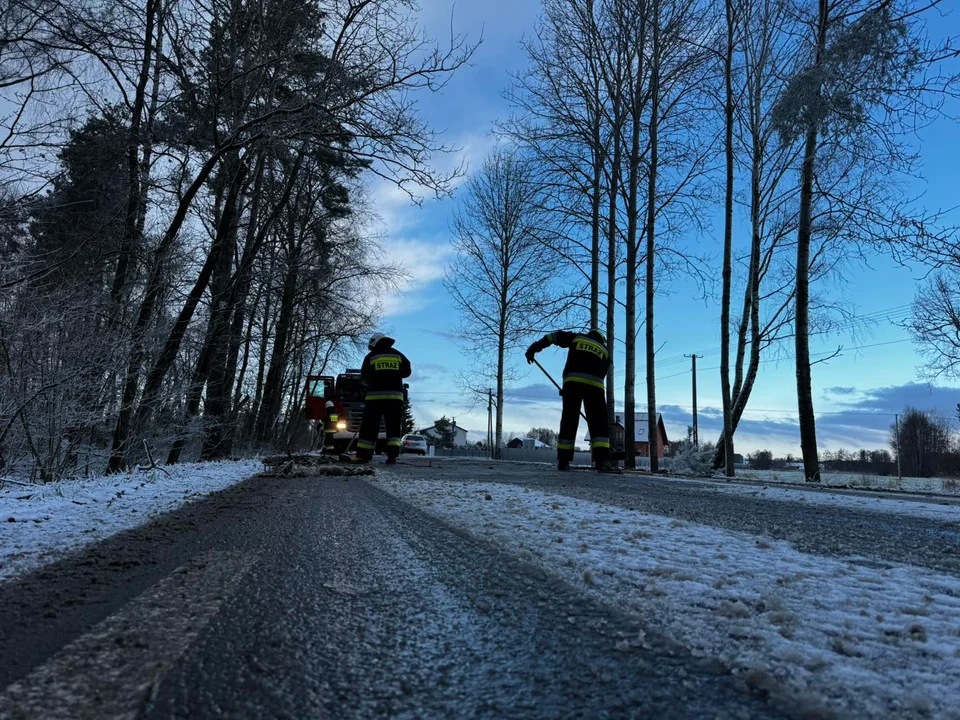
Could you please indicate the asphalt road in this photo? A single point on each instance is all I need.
(316, 598)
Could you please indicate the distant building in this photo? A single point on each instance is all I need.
(641, 436)
(460, 438)
(529, 443)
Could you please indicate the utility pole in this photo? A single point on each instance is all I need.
(896, 420)
(490, 422)
(696, 434)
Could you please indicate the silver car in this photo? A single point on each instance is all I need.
(413, 444)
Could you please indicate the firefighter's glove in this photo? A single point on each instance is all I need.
(531, 353)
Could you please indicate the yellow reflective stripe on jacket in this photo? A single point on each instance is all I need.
(591, 380)
(385, 395)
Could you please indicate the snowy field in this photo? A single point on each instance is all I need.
(947, 510)
(853, 637)
(944, 486)
(939, 486)
(41, 523)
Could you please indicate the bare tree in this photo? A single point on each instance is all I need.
(936, 324)
(727, 269)
(354, 103)
(676, 163)
(765, 51)
(562, 124)
(501, 280)
(921, 441)
(863, 88)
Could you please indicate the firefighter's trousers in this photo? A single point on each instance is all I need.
(391, 411)
(594, 404)
(329, 430)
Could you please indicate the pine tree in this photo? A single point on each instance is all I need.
(409, 422)
(447, 432)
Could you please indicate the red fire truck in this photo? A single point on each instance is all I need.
(347, 393)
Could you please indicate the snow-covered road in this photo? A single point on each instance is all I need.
(844, 605)
(855, 636)
(41, 523)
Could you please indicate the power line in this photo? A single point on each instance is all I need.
(510, 393)
(793, 357)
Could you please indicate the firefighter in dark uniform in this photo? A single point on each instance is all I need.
(588, 360)
(331, 422)
(383, 371)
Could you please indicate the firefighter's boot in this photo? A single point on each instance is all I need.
(563, 465)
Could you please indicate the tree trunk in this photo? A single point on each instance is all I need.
(265, 332)
(272, 400)
(653, 425)
(808, 428)
(727, 249)
(151, 391)
(750, 319)
(217, 433)
(247, 344)
(612, 278)
(138, 353)
(630, 322)
(595, 201)
(498, 436)
(194, 394)
(240, 290)
(633, 209)
(135, 187)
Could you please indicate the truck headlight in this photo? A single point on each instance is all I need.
(341, 425)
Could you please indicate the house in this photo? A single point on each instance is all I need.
(529, 443)
(431, 433)
(641, 437)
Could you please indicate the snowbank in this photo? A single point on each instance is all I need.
(856, 637)
(41, 523)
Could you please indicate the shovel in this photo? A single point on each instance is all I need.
(550, 378)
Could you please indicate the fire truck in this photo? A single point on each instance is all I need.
(348, 394)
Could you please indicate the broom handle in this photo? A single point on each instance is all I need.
(550, 377)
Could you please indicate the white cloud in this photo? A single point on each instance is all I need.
(423, 262)
(400, 220)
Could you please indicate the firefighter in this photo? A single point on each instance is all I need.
(588, 360)
(330, 421)
(383, 371)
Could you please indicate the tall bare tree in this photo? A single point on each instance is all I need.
(501, 280)
(866, 83)
(368, 56)
(727, 269)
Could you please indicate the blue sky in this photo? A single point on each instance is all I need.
(855, 394)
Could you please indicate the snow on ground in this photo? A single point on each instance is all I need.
(41, 523)
(943, 486)
(857, 638)
(947, 511)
